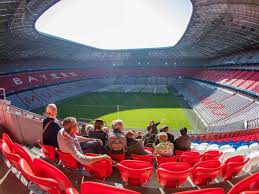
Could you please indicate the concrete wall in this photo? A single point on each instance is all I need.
(24, 126)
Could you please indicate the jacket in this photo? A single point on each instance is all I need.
(51, 132)
(136, 147)
(183, 143)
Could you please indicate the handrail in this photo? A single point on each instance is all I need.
(4, 94)
(253, 123)
(24, 113)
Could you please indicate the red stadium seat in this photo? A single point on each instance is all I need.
(162, 159)
(45, 176)
(180, 152)
(211, 155)
(249, 184)
(204, 191)
(173, 174)
(49, 152)
(71, 191)
(135, 172)
(19, 150)
(205, 172)
(190, 157)
(10, 156)
(233, 167)
(117, 157)
(6, 138)
(68, 160)
(100, 188)
(146, 158)
(46, 170)
(100, 170)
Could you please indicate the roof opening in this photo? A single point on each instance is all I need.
(117, 24)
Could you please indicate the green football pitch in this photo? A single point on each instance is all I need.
(135, 109)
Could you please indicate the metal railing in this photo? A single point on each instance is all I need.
(253, 123)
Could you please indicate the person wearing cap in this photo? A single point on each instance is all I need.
(69, 142)
(51, 126)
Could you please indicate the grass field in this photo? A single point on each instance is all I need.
(135, 109)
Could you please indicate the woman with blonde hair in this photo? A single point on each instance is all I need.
(164, 148)
(51, 126)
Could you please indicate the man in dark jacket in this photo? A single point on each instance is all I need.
(154, 126)
(51, 126)
(149, 138)
(184, 141)
(97, 133)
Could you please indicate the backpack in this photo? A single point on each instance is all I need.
(117, 141)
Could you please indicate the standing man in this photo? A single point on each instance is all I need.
(51, 126)
(154, 126)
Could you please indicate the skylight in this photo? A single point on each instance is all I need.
(117, 24)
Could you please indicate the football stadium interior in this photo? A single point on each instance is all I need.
(208, 82)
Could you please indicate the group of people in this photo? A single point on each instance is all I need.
(164, 142)
(99, 139)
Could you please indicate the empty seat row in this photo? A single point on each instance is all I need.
(36, 98)
(213, 104)
(173, 174)
(245, 135)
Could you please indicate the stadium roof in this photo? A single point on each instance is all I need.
(216, 28)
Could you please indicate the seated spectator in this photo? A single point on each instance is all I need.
(170, 136)
(98, 132)
(70, 143)
(164, 148)
(184, 141)
(149, 138)
(139, 135)
(135, 132)
(51, 126)
(89, 128)
(154, 126)
(83, 131)
(93, 146)
(117, 141)
(106, 130)
(135, 146)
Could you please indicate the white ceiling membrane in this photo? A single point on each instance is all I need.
(117, 24)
